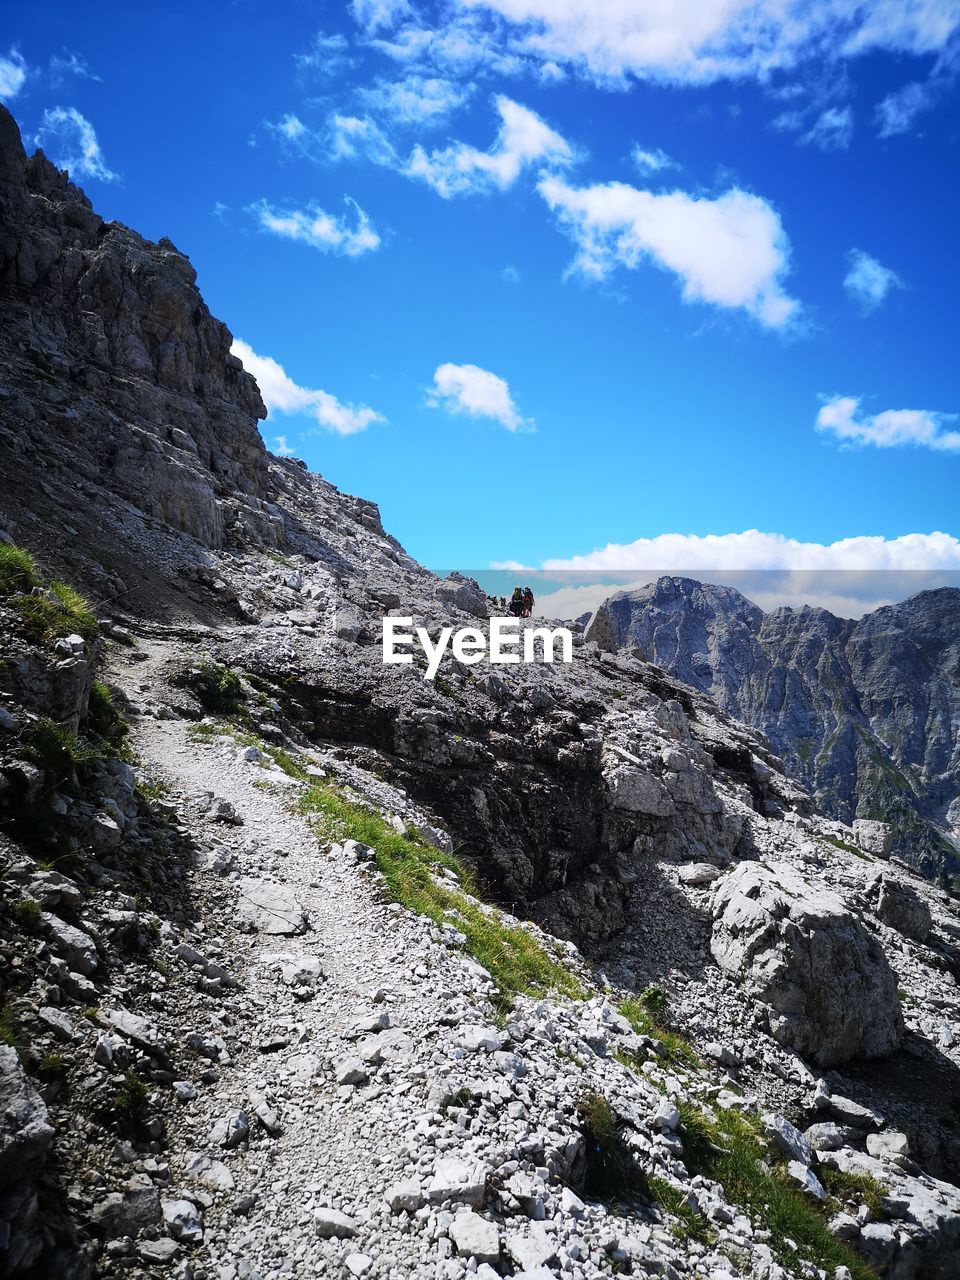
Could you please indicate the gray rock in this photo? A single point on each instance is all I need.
(331, 1224)
(786, 1139)
(898, 906)
(268, 908)
(76, 947)
(183, 1221)
(457, 1180)
(405, 1196)
(874, 837)
(475, 1237)
(827, 985)
(26, 1134)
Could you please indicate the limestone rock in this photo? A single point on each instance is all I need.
(827, 985)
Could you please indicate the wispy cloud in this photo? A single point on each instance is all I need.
(840, 416)
(71, 141)
(646, 162)
(416, 99)
(66, 64)
(524, 139)
(282, 395)
(730, 251)
(350, 238)
(328, 56)
(832, 130)
(13, 74)
(868, 281)
(476, 393)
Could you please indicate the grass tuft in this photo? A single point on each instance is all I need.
(646, 1013)
(18, 571)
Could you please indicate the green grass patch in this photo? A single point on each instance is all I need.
(105, 725)
(47, 613)
(730, 1150)
(853, 1188)
(18, 571)
(516, 961)
(847, 848)
(646, 1014)
(687, 1223)
(8, 1030)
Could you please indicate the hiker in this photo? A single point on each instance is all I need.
(527, 602)
(516, 603)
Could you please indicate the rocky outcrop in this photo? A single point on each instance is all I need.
(826, 983)
(863, 713)
(26, 1136)
(111, 354)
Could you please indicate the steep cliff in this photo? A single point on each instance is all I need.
(866, 714)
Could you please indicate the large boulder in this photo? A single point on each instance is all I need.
(25, 1129)
(898, 906)
(826, 982)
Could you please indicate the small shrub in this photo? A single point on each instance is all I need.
(856, 1188)
(611, 1172)
(130, 1097)
(654, 1000)
(105, 723)
(26, 912)
(8, 1029)
(219, 689)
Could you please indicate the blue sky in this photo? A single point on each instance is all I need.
(548, 277)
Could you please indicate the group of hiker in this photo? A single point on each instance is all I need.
(521, 603)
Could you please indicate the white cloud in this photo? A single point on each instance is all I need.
(646, 162)
(374, 14)
(72, 141)
(868, 281)
(840, 416)
(13, 73)
(329, 56)
(416, 99)
(281, 448)
(524, 139)
(730, 251)
(291, 126)
(282, 395)
(754, 550)
(832, 130)
(316, 227)
(349, 137)
(511, 274)
(700, 41)
(467, 389)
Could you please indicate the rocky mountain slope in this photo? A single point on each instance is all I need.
(865, 713)
(313, 967)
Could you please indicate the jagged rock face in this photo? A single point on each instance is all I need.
(26, 1136)
(110, 352)
(864, 713)
(827, 985)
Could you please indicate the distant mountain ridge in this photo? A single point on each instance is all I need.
(865, 713)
